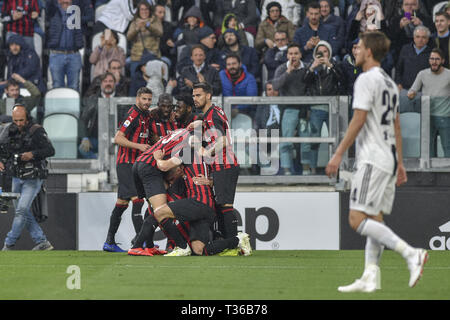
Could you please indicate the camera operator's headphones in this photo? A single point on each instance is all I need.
(27, 114)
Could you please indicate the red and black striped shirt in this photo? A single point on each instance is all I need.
(135, 128)
(215, 126)
(23, 26)
(186, 122)
(172, 145)
(200, 193)
(160, 128)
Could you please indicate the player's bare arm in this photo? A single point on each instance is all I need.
(122, 141)
(401, 171)
(165, 165)
(357, 122)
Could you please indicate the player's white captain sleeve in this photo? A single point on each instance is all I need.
(363, 93)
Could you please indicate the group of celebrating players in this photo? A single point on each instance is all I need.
(182, 162)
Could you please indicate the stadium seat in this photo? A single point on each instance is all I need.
(62, 130)
(62, 100)
(410, 124)
(438, 7)
(250, 39)
(38, 46)
(265, 74)
(323, 156)
(242, 127)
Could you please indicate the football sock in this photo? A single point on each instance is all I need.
(217, 246)
(384, 235)
(373, 252)
(146, 234)
(230, 222)
(171, 229)
(136, 214)
(114, 221)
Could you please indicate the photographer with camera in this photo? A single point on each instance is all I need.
(23, 152)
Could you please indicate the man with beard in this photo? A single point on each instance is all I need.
(248, 55)
(89, 118)
(435, 82)
(442, 35)
(238, 82)
(162, 120)
(184, 110)
(133, 139)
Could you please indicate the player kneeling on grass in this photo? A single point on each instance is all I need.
(199, 209)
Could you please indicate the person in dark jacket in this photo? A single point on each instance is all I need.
(188, 32)
(276, 55)
(24, 61)
(167, 43)
(249, 56)
(336, 22)
(64, 44)
(245, 11)
(199, 71)
(324, 77)
(351, 71)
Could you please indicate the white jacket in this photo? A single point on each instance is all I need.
(117, 14)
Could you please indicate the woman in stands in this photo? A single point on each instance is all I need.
(106, 51)
(144, 33)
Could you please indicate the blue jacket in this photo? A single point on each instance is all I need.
(245, 86)
(249, 58)
(54, 18)
(325, 32)
(26, 63)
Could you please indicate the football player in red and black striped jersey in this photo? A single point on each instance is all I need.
(133, 139)
(162, 119)
(184, 110)
(224, 166)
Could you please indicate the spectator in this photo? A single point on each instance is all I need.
(336, 22)
(88, 147)
(238, 82)
(413, 59)
(277, 54)
(344, 7)
(274, 22)
(312, 32)
(402, 24)
(231, 22)
(24, 61)
(249, 56)
(144, 75)
(199, 71)
(245, 12)
(18, 17)
(122, 84)
(188, 33)
(288, 80)
(208, 42)
(435, 82)
(324, 77)
(12, 91)
(441, 37)
(144, 33)
(351, 71)
(268, 116)
(369, 18)
(108, 50)
(116, 16)
(291, 10)
(166, 42)
(64, 44)
(155, 71)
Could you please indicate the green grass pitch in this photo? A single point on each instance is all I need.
(272, 275)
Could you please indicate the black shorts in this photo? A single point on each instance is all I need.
(199, 215)
(149, 181)
(126, 189)
(225, 182)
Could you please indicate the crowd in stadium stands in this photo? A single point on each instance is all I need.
(237, 46)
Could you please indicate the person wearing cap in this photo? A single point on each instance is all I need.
(199, 71)
(249, 56)
(208, 42)
(275, 21)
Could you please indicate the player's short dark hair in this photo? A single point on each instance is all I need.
(144, 90)
(204, 86)
(233, 55)
(377, 42)
(12, 83)
(313, 5)
(439, 52)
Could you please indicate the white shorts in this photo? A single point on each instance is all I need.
(372, 190)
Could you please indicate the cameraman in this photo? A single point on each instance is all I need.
(23, 156)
